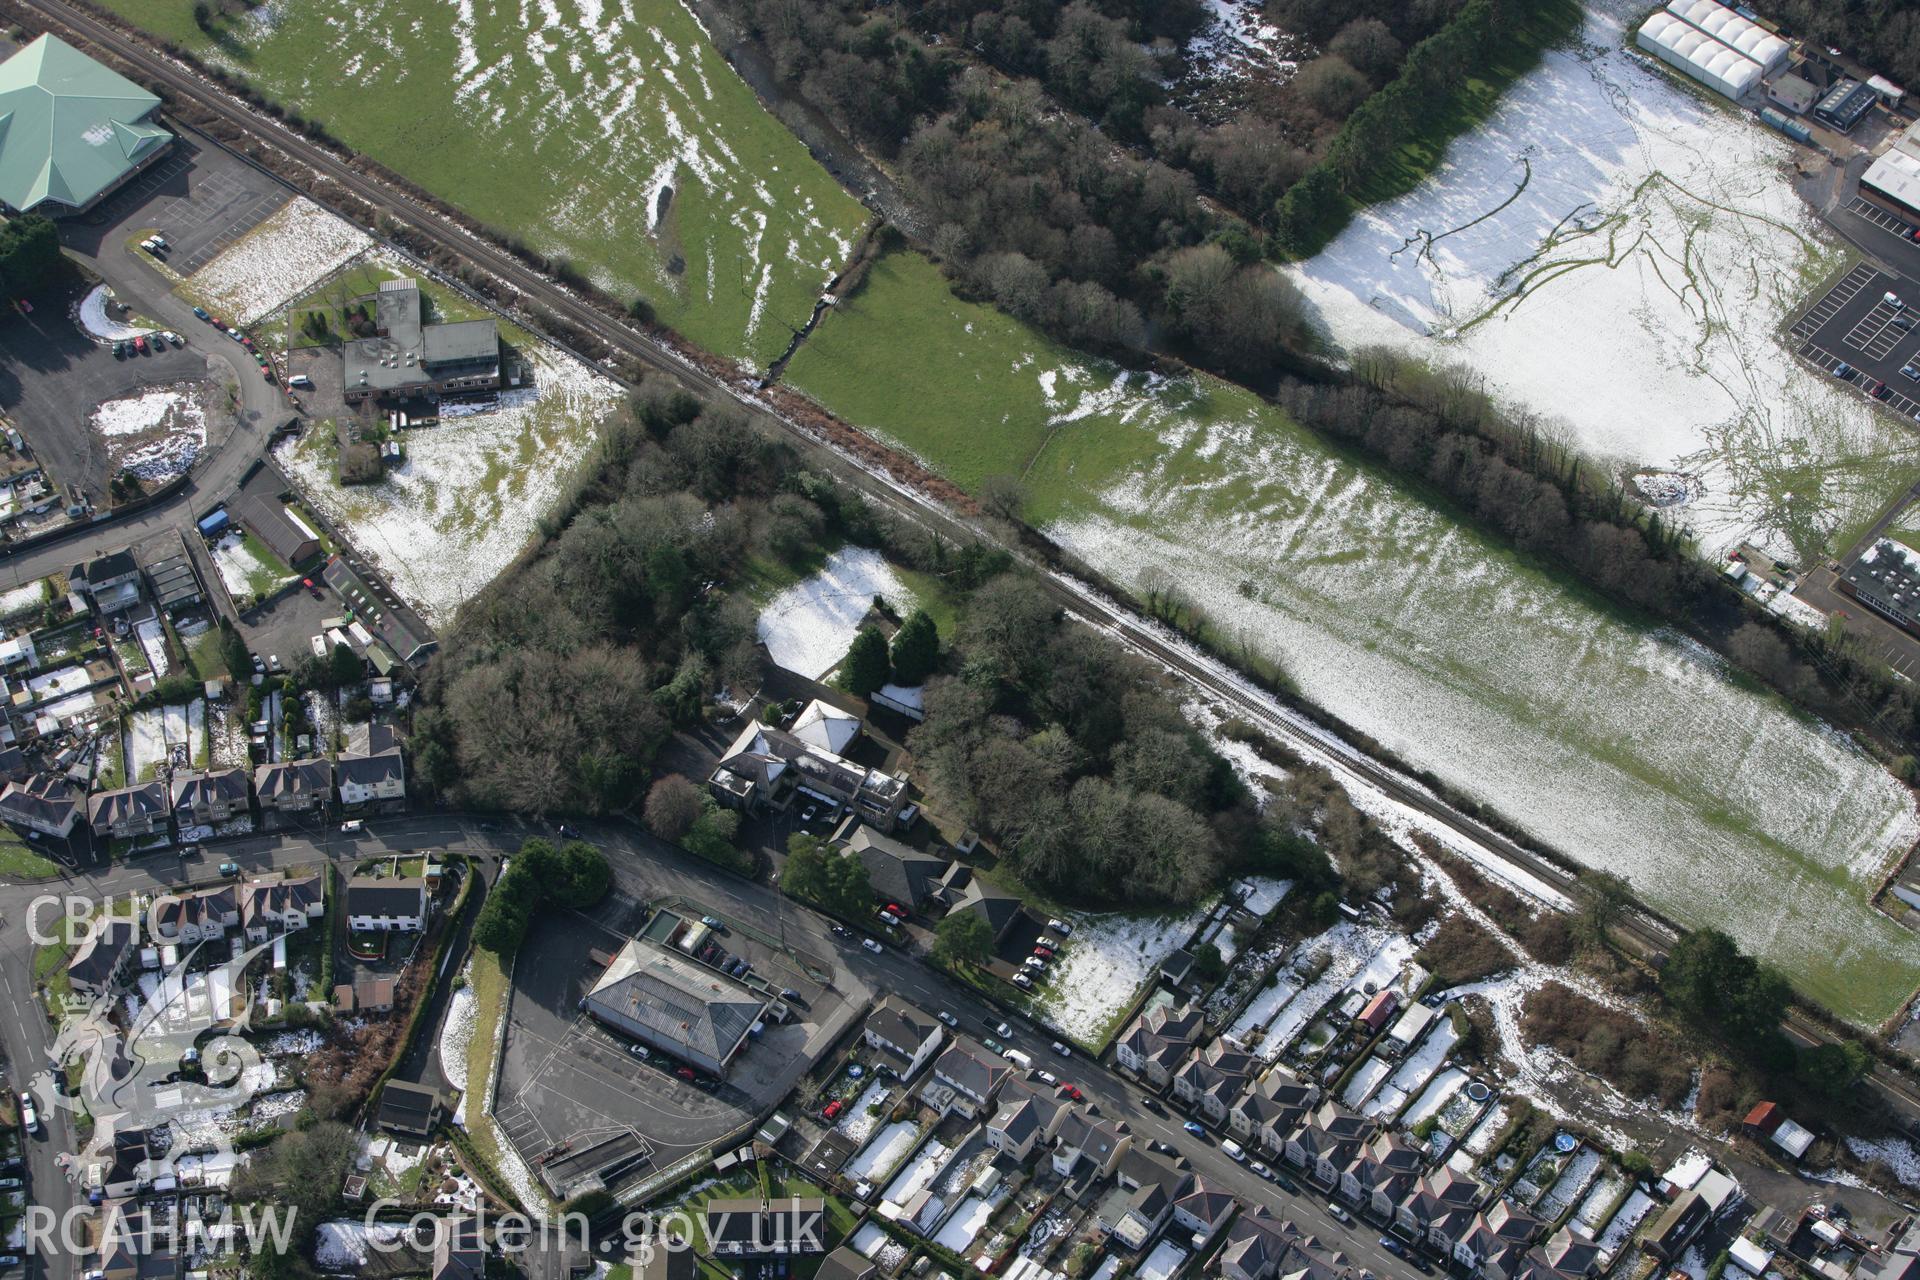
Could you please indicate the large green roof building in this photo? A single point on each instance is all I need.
(71, 130)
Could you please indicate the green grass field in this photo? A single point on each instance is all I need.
(565, 135)
(1595, 731)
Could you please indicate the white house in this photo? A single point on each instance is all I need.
(386, 905)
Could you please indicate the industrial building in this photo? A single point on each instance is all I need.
(409, 357)
(1886, 578)
(71, 130)
(1714, 45)
(1893, 183)
(1845, 105)
(676, 1005)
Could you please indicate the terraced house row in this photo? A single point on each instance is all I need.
(370, 781)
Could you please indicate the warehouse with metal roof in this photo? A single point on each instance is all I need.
(1714, 45)
(1893, 181)
(71, 130)
(675, 1005)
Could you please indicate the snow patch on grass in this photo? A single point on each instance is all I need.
(1107, 961)
(282, 258)
(1654, 208)
(808, 627)
(470, 493)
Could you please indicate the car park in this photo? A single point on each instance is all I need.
(1880, 391)
(1060, 927)
(1909, 371)
(1843, 370)
(1892, 299)
(1022, 979)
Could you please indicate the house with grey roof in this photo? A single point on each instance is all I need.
(1213, 1079)
(904, 1038)
(897, 872)
(126, 812)
(1272, 1107)
(269, 907)
(102, 957)
(1158, 1041)
(72, 130)
(1081, 1136)
(294, 786)
(766, 767)
(194, 917)
(971, 1075)
(372, 781)
(205, 799)
(1440, 1208)
(1496, 1245)
(387, 904)
(45, 802)
(1146, 1188)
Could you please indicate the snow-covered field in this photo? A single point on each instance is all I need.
(660, 174)
(808, 627)
(1108, 960)
(1617, 253)
(156, 434)
(470, 493)
(347, 1244)
(282, 258)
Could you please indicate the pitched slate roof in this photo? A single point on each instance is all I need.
(676, 1000)
(293, 778)
(127, 804)
(222, 787)
(370, 770)
(69, 127)
(367, 896)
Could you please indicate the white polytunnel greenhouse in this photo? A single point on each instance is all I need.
(1712, 44)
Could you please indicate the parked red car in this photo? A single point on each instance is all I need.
(1072, 1091)
(685, 1073)
(1045, 953)
(140, 345)
(897, 909)
(834, 1109)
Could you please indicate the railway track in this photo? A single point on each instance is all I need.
(1145, 638)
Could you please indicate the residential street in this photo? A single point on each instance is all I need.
(663, 868)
